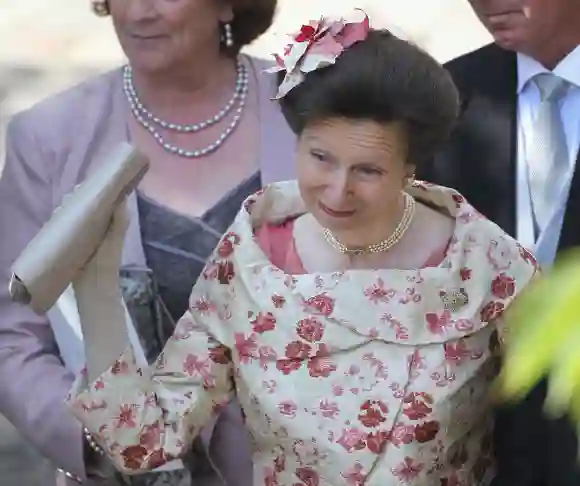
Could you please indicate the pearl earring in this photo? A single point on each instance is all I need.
(410, 180)
(228, 37)
(100, 7)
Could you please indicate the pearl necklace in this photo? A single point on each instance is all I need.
(383, 245)
(149, 121)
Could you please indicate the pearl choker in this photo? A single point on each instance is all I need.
(383, 245)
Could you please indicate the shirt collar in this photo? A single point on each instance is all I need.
(568, 69)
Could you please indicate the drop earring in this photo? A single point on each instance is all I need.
(228, 36)
(100, 7)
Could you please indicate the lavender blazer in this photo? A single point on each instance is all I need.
(50, 149)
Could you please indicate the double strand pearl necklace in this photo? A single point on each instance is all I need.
(383, 245)
(150, 121)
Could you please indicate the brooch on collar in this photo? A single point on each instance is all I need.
(454, 299)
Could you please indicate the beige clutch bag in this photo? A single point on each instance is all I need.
(53, 259)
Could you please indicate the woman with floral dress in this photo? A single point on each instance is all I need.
(355, 313)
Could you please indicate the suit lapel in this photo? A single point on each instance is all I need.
(486, 139)
(504, 102)
(570, 235)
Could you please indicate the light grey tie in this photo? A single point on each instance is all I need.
(548, 161)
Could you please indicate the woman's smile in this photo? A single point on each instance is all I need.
(335, 213)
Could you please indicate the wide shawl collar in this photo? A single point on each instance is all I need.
(356, 306)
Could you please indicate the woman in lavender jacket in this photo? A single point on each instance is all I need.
(202, 113)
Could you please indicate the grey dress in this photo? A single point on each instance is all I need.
(176, 248)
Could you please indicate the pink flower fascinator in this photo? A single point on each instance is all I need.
(318, 44)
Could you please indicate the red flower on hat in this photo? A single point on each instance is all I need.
(316, 45)
(307, 33)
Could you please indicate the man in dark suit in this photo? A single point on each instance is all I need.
(515, 156)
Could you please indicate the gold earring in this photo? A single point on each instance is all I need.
(100, 7)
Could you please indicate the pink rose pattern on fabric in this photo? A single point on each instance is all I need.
(343, 380)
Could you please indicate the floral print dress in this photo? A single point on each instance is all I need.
(362, 377)
(176, 248)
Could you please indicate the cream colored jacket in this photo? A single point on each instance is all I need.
(361, 377)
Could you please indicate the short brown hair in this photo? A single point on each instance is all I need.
(251, 19)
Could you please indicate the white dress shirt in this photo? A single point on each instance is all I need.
(546, 244)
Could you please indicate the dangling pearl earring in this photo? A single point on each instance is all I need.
(100, 7)
(410, 180)
(228, 37)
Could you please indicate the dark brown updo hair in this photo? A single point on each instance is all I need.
(384, 79)
(251, 19)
